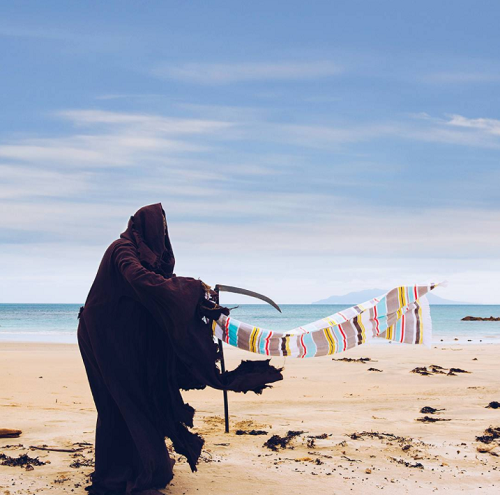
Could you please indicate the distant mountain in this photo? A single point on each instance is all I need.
(365, 295)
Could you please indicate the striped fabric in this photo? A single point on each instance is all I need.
(401, 315)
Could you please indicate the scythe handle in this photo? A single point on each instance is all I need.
(223, 370)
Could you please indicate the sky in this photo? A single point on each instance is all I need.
(299, 149)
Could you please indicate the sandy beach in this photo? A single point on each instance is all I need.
(44, 392)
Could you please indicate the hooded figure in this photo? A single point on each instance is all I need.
(142, 339)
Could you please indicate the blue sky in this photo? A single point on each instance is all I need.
(300, 149)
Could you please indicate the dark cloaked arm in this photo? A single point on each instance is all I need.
(177, 296)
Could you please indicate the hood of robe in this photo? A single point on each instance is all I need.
(147, 231)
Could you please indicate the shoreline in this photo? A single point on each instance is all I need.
(374, 342)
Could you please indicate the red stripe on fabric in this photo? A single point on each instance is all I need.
(268, 340)
(376, 320)
(227, 330)
(303, 345)
(415, 292)
(343, 316)
(402, 328)
(344, 338)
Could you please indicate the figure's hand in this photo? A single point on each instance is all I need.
(210, 294)
(212, 310)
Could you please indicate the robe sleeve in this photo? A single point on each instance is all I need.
(177, 296)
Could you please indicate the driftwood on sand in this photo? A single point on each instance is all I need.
(55, 449)
(9, 433)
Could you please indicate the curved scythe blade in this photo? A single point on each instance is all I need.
(245, 292)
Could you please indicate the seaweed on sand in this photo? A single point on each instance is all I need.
(457, 370)
(434, 369)
(251, 432)
(376, 434)
(23, 460)
(421, 370)
(276, 442)
(78, 463)
(430, 419)
(353, 360)
(430, 410)
(490, 434)
(418, 465)
(319, 437)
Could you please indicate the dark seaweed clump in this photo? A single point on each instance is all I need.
(23, 460)
(353, 360)
(430, 410)
(490, 434)
(417, 465)
(276, 442)
(319, 437)
(379, 435)
(430, 419)
(434, 369)
(493, 405)
(251, 432)
(421, 370)
(84, 462)
(457, 370)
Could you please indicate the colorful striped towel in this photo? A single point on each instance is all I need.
(401, 315)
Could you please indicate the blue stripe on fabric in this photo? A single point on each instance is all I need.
(261, 348)
(382, 307)
(410, 295)
(382, 323)
(398, 329)
(311, 347)
(233, 333)
(338, 337)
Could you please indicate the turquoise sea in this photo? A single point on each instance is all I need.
(58, 322)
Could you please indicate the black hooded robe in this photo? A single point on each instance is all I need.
(142, 339)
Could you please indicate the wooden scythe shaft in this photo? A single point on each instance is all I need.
(223, 369)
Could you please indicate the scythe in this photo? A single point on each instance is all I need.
(235, 290)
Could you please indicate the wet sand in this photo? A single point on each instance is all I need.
(44, 392)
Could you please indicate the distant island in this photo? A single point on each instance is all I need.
(365, 295)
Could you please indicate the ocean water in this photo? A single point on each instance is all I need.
(58, 322)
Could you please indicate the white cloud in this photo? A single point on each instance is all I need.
(116, 139)
(490, 126)
(232, 73)
(101, 151)
(454, 129)
(125, 139)
(255, 124)
(322, 225)
(20, 182)
(147, 122)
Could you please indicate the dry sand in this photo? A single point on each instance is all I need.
(44, 392)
